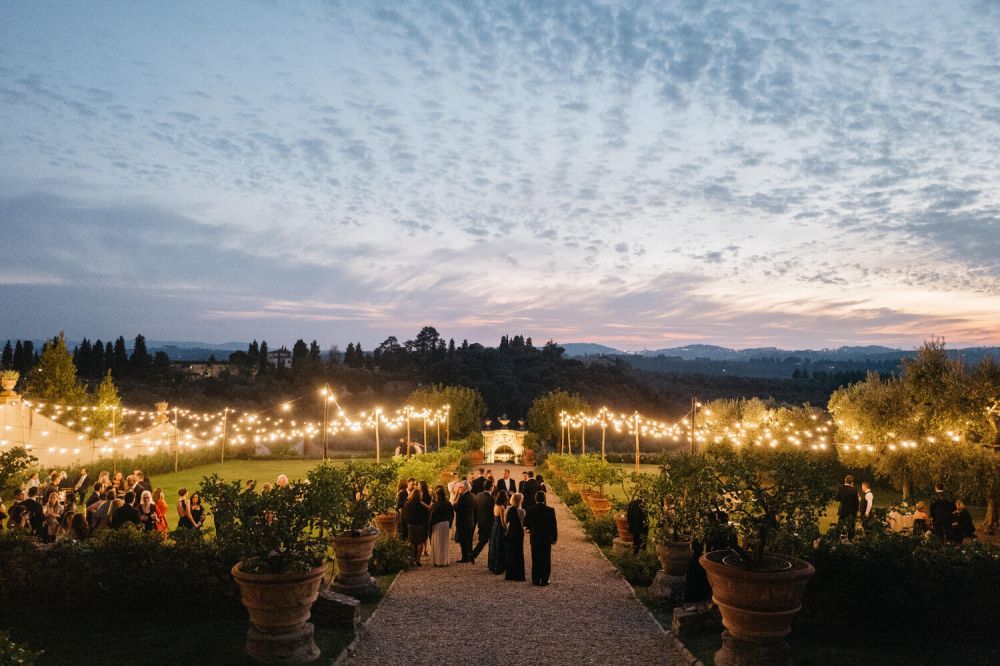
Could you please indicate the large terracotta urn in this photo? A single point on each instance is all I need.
(278, 603)
(574, 487)
(352, 554)
(757, 605)
(386, 523)
(529, 457)
(621, 522)
(674, 556)
(475, 457)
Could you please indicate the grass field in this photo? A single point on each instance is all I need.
(262, 471)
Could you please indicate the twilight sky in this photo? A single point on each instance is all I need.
(642, 175)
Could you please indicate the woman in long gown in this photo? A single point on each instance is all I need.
(515, 538)
(442, 516)
(497, 560)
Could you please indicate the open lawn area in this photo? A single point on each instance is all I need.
(263, 471)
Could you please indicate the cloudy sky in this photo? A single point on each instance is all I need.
(641, 175)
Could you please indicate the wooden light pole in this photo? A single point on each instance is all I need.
(225, 417)
(604, 430)
(378, 455)
(326, 419)
(583, 436)
(694, 410)
(636, 418)
(406, 410)
(438, 423)
(177, 440)
(425, 432)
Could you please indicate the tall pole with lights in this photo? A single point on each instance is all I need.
(636, 421)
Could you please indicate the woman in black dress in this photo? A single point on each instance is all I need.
(416, 514)
(497, 558)
(515, 539)
(147, 512)
(402, 494)
(197, 511)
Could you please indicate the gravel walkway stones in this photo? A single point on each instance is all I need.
(462, 614)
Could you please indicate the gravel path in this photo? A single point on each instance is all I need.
(463, 614)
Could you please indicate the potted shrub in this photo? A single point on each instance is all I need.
(597, 473)
(677, 501)
(352, 522)
(632, 485)
(381, 496)
(281, 561)
(8, 380)
(768, 494)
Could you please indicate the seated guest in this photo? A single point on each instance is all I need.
(69, 510)
(126, 513)
(101, 512)
(961, 523)
(920, 519)
(19, 518)
(77, 530)
(119, 482)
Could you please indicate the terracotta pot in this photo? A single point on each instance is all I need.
(621, 522)
(674, 556)
(529, 457)
(476, 457)
(352, 554)
(279, 603)
(757, 606)
(600, 504)
(574, 487)
(445, 478)
(386, 523)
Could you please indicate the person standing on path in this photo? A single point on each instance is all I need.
(847, 513)
(484, 518)
(477, 483)
(530, 488)
(465, 521)
(515, 539)
(507, 484)
(442, 515)
(540, 521)
(942, 508)
(416, 514)
(638, 524)
(497, 557)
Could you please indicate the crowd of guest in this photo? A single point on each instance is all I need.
(948, 519)
(495, 513)
(54, 510)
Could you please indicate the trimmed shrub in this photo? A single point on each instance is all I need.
(638, 569)
(600, 529)
(12, 653)
(391, 555)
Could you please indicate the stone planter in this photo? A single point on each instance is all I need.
(757, 606)
(279, 607)
(674, 556)
(386, 523)
(621, 522)
(352, 554)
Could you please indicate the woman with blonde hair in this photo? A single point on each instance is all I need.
(147, 512)
(53, 512)
(161, 509)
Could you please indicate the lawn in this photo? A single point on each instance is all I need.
(262, 471)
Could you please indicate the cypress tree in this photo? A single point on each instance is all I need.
(120, 364)
(7, 359)
(140, 361)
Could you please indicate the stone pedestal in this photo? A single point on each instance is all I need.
(667, 590)
(735, 652)
(288, 649)
(332, 609)
(620, 546)
(691, 619)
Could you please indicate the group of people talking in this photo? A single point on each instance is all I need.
(497, 512)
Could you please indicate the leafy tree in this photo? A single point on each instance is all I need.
(55, 380)
(161, 363)
(264, 361)
(107, 406)
(13, 462)
(467, 406)
(300, 356)
(543, 416)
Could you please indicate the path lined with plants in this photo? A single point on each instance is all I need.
(464, 614)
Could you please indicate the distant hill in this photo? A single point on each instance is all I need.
(589, 349)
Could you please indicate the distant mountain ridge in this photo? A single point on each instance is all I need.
(716, 353)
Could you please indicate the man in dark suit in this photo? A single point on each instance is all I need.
(530, 488)
(125, 513)
(484, 518)
(942, 508)
(507, 484)
(847, 514)
(36, 516)
(80, 485)
(465, 520)
(540, 521)
(477, 483)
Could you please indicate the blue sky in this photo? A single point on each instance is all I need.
(643, 175)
